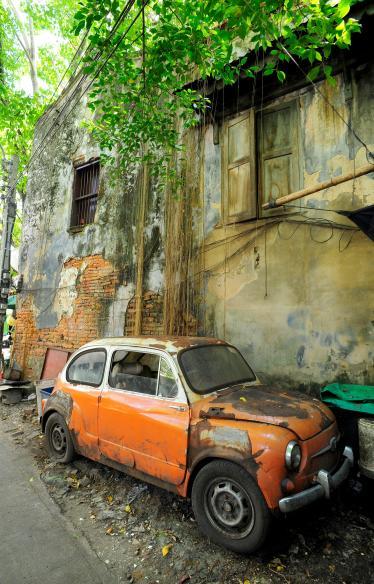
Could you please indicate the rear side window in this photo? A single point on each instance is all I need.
(87, 368)
(134, 371)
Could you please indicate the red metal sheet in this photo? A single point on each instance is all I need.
(54, 361)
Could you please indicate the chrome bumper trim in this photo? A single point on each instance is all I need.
(326, 483)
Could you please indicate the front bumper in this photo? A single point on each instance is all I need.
(326, 483)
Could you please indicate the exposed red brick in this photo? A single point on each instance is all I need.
(152, 315)
(95, 287)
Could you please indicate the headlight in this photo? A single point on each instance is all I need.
(293, 455)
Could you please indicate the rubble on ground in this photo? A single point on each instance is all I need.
(145, 534)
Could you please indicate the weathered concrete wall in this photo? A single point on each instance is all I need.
(78, 282)
(296, 297)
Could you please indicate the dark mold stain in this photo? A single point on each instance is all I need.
(300, 356)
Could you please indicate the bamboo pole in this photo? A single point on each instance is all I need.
(320, 187)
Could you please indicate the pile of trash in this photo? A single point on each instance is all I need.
(12, 392)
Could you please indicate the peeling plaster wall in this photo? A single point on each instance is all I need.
(303, 313)
(296, 299)
(51, 287)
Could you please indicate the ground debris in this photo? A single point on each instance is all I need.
(128, 523)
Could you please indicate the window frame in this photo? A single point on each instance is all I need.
(176, 376)
(95, 196)
(84, 352)
(181, 395)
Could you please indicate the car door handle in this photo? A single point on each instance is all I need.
(178, 408)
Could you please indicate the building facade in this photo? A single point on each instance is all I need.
(293, 287)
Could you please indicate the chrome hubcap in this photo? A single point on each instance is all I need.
(229, 508)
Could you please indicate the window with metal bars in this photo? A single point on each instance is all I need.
(85, 191)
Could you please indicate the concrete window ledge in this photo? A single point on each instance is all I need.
(77, 229)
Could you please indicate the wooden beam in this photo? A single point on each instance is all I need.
(337, 180)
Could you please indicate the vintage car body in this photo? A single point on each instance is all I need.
(170, 440)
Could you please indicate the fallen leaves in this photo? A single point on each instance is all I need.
(277, 567)
(127, 509)
(73, 482)
(166, 549)
(243, 399)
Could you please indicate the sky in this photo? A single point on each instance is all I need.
(42, 38)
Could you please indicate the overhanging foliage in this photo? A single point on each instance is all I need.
(143, 54)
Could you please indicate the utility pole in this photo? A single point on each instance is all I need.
(10, 169)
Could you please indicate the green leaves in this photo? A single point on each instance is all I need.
(19, 109)
(138, 103)
(314, 72)
(344, 7)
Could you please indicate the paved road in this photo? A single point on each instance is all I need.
(37, 544)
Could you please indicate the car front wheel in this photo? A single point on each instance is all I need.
(60, 444)
(229, 507)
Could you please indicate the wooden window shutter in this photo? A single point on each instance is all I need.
(277, 136)
(239, 178)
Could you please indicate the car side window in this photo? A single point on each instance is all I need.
(134, 371)
(87, 368)
(167, 385)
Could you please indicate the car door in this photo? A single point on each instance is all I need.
(83, 380)
(144, 415)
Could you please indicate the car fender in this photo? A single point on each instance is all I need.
(259, 448)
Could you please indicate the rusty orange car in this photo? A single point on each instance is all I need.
(189, 415)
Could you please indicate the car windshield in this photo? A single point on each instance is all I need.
(212, 367)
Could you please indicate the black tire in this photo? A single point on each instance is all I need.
(229, 507)
(60, 444)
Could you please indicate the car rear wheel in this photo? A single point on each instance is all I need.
(60, 444)
(229, 507)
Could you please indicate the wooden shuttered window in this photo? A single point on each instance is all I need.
(239, 176)
(278, 165)
(85, 192)
(259, 163)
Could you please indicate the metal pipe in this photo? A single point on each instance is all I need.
(320, 187)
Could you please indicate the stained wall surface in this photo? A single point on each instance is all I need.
(296, 292)
(293, 289)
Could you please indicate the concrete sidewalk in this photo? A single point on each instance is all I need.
(37, 544)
